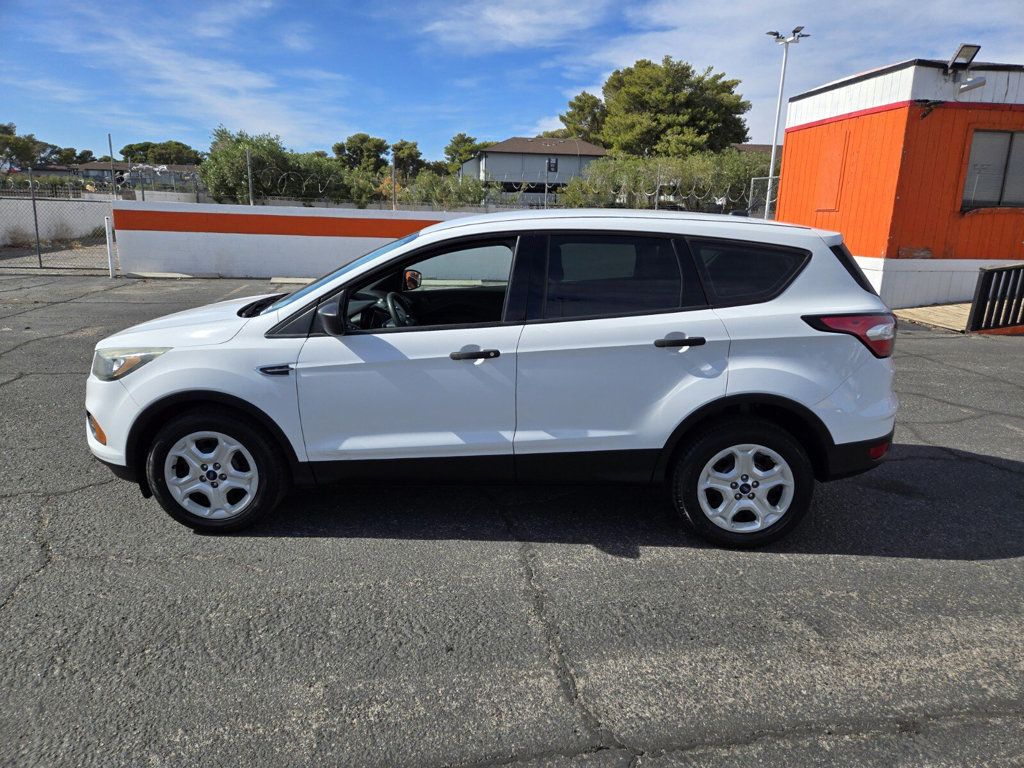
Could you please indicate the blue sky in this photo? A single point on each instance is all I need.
(314, 72)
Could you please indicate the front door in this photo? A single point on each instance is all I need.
(426, 371)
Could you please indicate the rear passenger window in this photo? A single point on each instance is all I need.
(592, 275)
(744, 273)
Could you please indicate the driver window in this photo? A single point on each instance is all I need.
(461, 286)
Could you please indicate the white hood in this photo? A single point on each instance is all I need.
(211, 324)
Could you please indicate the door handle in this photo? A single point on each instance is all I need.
(480, 354)
(692, 341)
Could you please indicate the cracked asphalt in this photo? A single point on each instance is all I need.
(502, 626)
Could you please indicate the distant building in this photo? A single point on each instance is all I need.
(920, 165)
(538, 163)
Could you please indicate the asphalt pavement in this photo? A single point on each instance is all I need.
(406, 626)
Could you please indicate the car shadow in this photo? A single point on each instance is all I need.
(924, 502)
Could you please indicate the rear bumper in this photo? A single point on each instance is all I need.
(848, 459)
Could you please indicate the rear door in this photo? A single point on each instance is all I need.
(619, 347)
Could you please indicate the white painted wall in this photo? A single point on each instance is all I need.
(516, 168)
(919, 282)
(206, 254)
(907, 84)
(58, 219)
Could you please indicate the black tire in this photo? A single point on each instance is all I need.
(718, 437)
(273, 475)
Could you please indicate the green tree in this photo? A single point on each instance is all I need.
(137, 152)
(584, 119)
(445, 191)
(362, 151)
(64, 156)
(314, 175)
(407, 158)
(440, 167)
(671, 109)
(173, 153)
(695, 182)
(85, 156)
(363, 186)
(161, 153)
(224, 170)
(19, 151)
(461, 148)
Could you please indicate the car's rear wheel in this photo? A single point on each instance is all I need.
(743, 483)
(214, 472)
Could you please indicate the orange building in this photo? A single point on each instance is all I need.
(920, 166)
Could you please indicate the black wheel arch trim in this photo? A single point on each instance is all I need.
(149, 418)
(750, 403)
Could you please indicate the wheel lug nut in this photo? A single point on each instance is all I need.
(749, 496)
(214, 483)
(204, 467)
(223, 477)
(739, 496)
(755, 483)
(216, 466)
(734, 485)
(744, 478)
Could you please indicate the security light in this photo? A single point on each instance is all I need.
(970, 85)
(963, 57)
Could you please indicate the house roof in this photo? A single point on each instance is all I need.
(523, 145)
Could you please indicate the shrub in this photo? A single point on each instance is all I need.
(18, 236)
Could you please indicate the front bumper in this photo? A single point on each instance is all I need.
(115, 411)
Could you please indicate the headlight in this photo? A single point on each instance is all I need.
(110, 364)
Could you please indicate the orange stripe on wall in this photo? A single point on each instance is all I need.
(266, 224)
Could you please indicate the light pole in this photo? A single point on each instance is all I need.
(784, 41)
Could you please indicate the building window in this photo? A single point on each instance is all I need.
(995, 173)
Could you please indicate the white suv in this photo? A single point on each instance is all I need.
(735, 360)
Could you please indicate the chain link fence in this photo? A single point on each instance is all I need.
(58, 222)
(764, 194)
(44, 229)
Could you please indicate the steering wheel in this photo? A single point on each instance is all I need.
(400, 309)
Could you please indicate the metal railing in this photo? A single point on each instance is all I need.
(998, 299)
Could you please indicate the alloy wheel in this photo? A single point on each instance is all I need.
(745, 488)
(211, 475)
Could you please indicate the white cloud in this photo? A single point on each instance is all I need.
(846, 38)
(497, 25)
(222, 19)
(192, 87)
(298, 37)
(549, 123)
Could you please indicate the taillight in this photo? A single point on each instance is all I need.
(877, 332)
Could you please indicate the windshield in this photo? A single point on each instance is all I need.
(291, 298)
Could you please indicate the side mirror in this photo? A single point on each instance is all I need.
(332, 314)
(412, 280)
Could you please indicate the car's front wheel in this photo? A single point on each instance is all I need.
(743, 483)
(214, 472)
